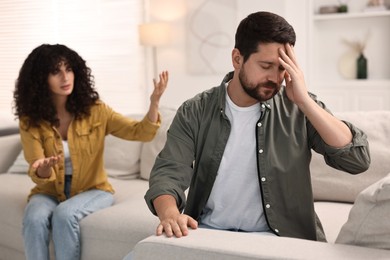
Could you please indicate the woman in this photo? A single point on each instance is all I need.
(62, 127)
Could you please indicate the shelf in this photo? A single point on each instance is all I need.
(361, 83)
(330, 61)
(337, 16)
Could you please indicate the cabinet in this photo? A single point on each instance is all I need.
(332, 62)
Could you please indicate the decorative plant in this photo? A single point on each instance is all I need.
(361, 62)
(343, 6)
(357, 45)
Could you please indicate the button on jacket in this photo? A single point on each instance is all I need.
(86, 143)
(285, 138)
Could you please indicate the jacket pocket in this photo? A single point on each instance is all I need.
(89, 138)
(49, 144)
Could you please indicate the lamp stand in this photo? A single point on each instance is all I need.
(154, 56)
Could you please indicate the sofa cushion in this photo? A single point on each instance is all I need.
(368, 223)
(14, 191)
(151, 149)
(11, 144)
(112, 232)
(333, 185)
(19, 165)
(107, 234)
(122, 158)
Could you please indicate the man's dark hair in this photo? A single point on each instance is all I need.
(32, 95)
(262, 27)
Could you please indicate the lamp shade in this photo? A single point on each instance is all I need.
(154, 34)
(167, 10)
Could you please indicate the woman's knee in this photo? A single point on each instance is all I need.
(34, 220)
(38, 212)
(63, 214)
(80, 206)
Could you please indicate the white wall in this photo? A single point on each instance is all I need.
(103, 32)
(174, 57)
(183, 84)
(316, 56)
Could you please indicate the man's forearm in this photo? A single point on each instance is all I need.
(165, 206)
(332, 130)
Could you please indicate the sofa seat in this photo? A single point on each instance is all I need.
(15, 189)
(112, 232)
(107, 234)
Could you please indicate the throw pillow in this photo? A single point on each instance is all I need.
(330, 184)
(151, 149)
(20, 164)
(122, 158)
(9, 125)
(368, 222)
(12, 147)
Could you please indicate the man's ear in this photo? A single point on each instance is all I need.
(237, 59)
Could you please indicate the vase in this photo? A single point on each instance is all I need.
(361, 67)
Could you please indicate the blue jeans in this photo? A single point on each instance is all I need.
(129, 256)
(44, 213)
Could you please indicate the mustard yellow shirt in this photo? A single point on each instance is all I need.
(86, 144)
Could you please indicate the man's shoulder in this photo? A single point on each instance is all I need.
(201, 104)
(206, 97)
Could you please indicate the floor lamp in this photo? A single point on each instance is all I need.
(154, 35)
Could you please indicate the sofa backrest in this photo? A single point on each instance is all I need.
(334, 185)
(328, 184)
(122, 159)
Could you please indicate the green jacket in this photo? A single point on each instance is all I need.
(196, 141)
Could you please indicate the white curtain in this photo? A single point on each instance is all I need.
(103, 32)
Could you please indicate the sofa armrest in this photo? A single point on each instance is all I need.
(8, 131)
(227, 245)
(11, 147)
(9, 124)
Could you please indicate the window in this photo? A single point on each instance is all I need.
(103, 32)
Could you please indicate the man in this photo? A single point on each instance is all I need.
(244, 148)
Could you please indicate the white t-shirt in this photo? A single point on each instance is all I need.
(235, 201)
(68, 161)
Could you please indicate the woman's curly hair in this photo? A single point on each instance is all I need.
(32, 95)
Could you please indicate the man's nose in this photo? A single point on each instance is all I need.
(274, 75)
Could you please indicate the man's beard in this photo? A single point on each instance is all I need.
(254, 90)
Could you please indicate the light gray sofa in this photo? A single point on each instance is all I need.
(113, 232)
